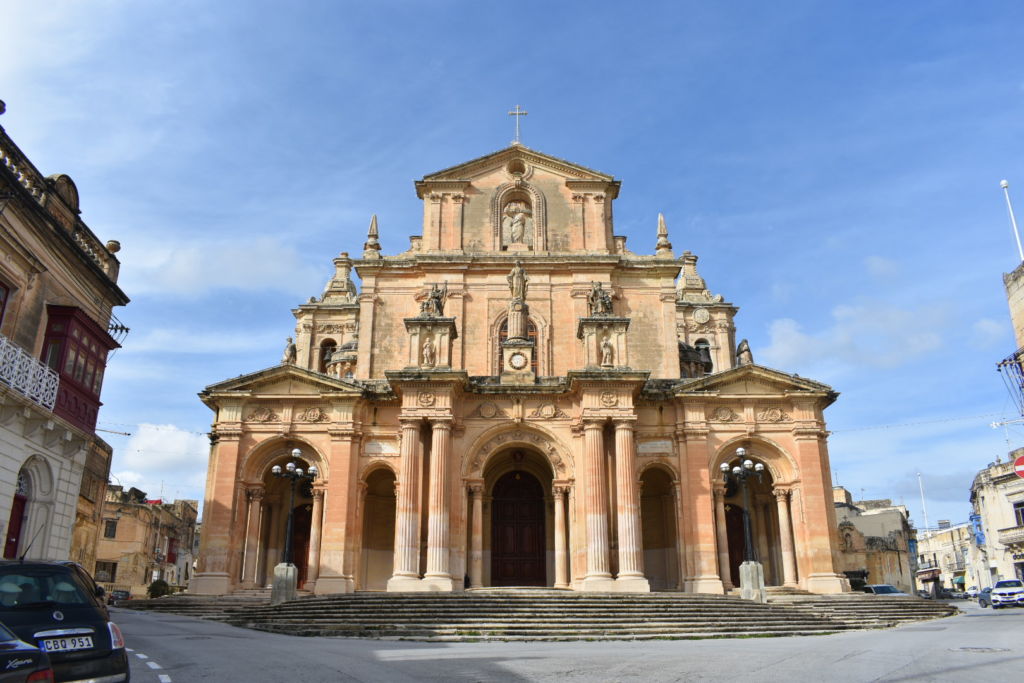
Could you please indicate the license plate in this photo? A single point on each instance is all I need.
(66, 644)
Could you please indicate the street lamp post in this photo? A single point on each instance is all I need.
(286, 574)
(751, 571)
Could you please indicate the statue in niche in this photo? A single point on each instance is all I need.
(290, 352)
(743, 354)
(599, 299)
(517, 223)
(429, 353)
(607, 353)
(433, 305)
(518, 282)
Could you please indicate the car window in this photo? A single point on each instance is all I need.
(21, 586)
(1009, 583)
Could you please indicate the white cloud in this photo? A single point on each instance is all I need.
(881, 268)
(865, 335)
(163, 457)
(178, 340)
(987, 334)
(198, 266)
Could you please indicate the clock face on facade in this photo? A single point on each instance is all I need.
(701, 315)
(517, 361)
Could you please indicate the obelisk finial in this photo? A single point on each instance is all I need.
(371, 249)
(663, 247)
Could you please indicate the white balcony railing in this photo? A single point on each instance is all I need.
(27, 375)
(1013, 535)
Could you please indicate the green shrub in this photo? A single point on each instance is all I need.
(158, 589)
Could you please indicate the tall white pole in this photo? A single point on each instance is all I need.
(1013, 221)
(924, 507)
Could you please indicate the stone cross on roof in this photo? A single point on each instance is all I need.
(517, 112)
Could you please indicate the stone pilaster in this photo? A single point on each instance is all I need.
(786, 537)
(476, 548)
(315, 532)
(722, 538)
(216, 543)
(252, 536)
(561, 565)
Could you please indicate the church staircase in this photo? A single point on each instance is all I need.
(548, 615)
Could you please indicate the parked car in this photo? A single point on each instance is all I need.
(883, 589)
(22, 662)
(985, 597)
(972, 592)
(59, 608)
(1007, 593)
(117, 596)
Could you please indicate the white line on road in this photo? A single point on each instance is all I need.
(141, 656)
(164, 678)
(153, 665)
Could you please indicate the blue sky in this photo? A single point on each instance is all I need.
(836, 167)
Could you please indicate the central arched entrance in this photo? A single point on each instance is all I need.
(517, 531)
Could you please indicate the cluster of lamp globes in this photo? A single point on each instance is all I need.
(747, 463)
(290, 470)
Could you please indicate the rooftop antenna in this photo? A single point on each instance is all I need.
(1009, 206)
(924, 508)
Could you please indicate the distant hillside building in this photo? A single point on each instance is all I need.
(876, 542)
(518, 399)
(58, 288)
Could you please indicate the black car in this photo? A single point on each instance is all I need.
(985, 597)
(57, 606)
(21, 662)
(118, 595)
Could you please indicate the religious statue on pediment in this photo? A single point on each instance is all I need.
(290, 352)
(517, 223)
(599, 300)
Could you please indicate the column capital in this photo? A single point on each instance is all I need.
(476, 489)
(594, 422)
(624, 422)
(318, 493)
(560, 490)
(255, 493)
(719, 492)
(410, 422)
(781, 494)
(442, 423)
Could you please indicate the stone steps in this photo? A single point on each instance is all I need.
(551, 615)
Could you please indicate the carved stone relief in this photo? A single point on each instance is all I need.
(314, 414)
(263, 414)
(547, 411)
(426, 399)
(773, 414)
(724, 414)
(488, 410)
(609, 399)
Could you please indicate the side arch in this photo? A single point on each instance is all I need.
(501, 437)
(260, 457)
(780, 464)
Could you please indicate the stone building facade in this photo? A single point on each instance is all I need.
(517, 400)
(942, 557)
(997, 499)
(876, 542)
(58, 288)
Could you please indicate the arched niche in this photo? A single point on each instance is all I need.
(519, 204)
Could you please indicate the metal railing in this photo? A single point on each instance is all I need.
(27, 375)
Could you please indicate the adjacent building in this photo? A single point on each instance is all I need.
(144, 540)
(942, 557)
(518, 399)
(58, 288)
(997, 501)
(876, 542)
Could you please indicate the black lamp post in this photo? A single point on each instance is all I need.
(741, 473)
(295, 475)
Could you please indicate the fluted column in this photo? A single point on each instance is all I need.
(722, 536)
(684, 570)
(252, 535)
(407, 546)
(786, 532)
(596, 500)
(315, 533)
(630, 541)
(476, 548)
(561, 565)
(438, 551)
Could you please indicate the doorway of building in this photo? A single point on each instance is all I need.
(734, 527)
(301, 524)
(517, 531)
(14, 526)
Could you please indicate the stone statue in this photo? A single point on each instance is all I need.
(518, 282)
(607, 353)
(290, 352)
(516, 221)
(433, 305)
(429, 352)
(599, 300)
(743, 354)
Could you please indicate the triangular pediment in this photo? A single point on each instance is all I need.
(749, 380)
(282, 380)
(482, 165)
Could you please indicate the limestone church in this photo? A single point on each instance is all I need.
(519, 399)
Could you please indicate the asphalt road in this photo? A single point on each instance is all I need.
(978, 645)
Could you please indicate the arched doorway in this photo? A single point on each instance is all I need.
(378, 545)
(517, 531)
(764, 526)
(658, 524)
(19, 513)
(302, 520)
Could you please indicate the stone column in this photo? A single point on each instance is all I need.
(786, 534)
(722, 536)
(561, 565)
(684, 568)
(438, 529)
(252, 536)
(213, 576)
(598, 575)
(476, 549)
(315, 532)
(407, 545)
(631, 568)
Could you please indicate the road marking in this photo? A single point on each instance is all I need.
(153, 665)
(141, 656)
(164, 678)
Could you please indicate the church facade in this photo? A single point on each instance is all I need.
(517, 400)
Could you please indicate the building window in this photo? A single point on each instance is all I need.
(327, 348)
(110, 528)
(106, 571)
(1018, 512)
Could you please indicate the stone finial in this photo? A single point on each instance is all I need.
(340, 288)
(371, 249)
(691, 285)
(743, 354)
(663, 247)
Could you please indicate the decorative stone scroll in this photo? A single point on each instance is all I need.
(724, 414)
(489, 410)
(263, 414)
(547, 411)
(313, 414)
(773, 414)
